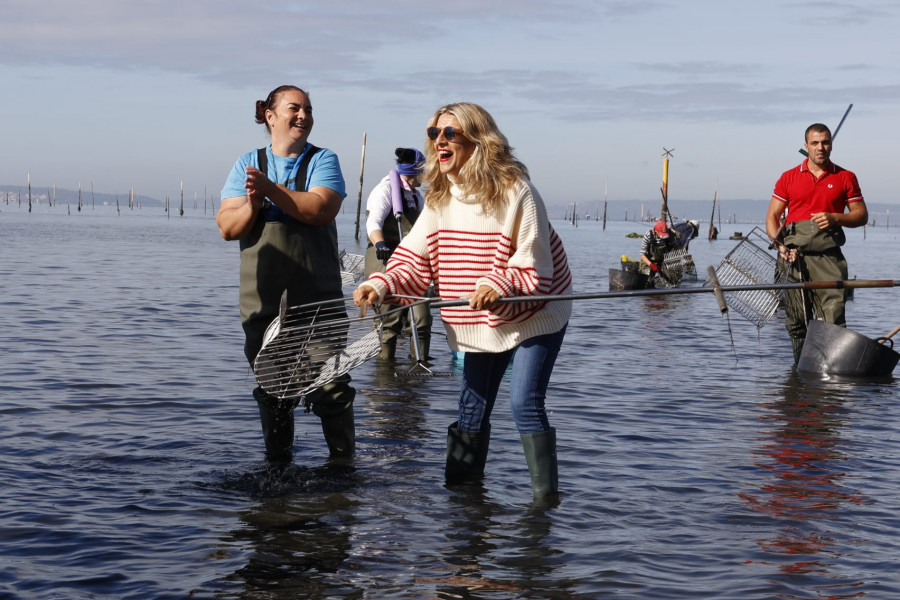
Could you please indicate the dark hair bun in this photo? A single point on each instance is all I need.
(261, 111)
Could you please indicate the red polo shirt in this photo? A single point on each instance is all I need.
(805, 195)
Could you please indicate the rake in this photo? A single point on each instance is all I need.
(309, 346)
(752, 262)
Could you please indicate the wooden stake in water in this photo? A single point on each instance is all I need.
(605, 194)
(664, 211)
(712, 228)
(362, 168)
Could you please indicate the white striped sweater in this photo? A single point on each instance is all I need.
(459, 248)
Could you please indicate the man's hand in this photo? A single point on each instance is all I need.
(787, 254)
(654, 267)
(824, 219)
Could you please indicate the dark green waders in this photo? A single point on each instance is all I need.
(820, 259)
(282, 255)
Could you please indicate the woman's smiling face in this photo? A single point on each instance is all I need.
(291, 118)
(452, 154)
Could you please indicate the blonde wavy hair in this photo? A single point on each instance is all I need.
(491, 169)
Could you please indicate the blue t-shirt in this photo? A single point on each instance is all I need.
(324, 170)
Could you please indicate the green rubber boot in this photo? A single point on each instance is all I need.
(540, 454)
(466, 455)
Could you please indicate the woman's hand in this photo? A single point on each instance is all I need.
(485, 297)
(256, 184)
(365, 295)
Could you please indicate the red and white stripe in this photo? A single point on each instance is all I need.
(459, 248)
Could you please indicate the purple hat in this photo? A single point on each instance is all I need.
(410, 161)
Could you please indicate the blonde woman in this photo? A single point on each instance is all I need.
(484, 235)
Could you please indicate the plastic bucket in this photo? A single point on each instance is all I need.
(834, 350)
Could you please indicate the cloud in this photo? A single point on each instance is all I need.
(231, 42)
(832, 14)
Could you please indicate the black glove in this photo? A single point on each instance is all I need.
(382, 251)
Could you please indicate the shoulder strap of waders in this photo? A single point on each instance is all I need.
(263, 161)
(272, 212)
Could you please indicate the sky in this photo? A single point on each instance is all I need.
(155, 95)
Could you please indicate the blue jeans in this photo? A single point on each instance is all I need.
(530, 375)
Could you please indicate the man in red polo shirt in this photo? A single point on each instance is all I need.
(820, 199)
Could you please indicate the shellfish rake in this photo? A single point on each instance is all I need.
(352, 266)
(311, 345)
(752, 261)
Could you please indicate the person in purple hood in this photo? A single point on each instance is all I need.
(391, 210)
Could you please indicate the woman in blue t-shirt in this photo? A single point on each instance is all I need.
(280, 202)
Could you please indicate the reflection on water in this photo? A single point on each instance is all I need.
(485, 539)
(802, 451)
(296, 537)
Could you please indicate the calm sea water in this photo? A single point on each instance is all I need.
(693, 462)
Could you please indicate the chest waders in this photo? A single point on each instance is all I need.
(391, 232)
(820, 259)
(393, 324)
(282, 254)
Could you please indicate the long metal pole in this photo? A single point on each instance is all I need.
(836, 129)
(803, 285)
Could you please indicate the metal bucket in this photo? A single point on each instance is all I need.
(834, 350)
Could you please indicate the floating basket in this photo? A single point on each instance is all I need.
(751, 262)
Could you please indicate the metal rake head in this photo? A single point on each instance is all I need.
(752, 262)
(352, 266)
(312, 345)
(421, 371)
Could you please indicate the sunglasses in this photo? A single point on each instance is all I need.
(449, 132)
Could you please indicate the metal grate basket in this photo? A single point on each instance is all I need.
(751, 262)
(351, 268)
(679, 266)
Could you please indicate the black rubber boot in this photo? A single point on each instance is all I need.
(466, 455)
(797, 345)
(540, 454)
(277, 419)
(340, 433)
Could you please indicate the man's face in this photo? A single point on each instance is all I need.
(818, 147)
